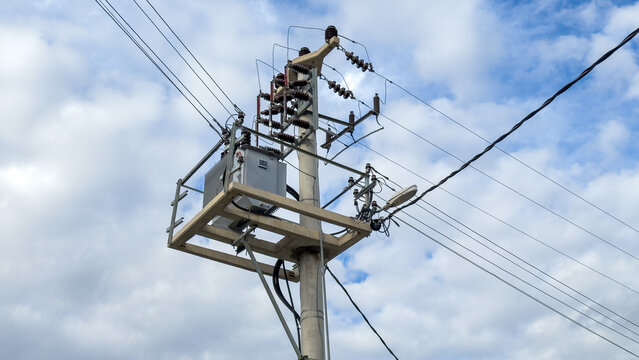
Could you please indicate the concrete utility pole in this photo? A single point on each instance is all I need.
(310, 267)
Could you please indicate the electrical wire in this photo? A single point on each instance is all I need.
(538, 172)
(179, 53)
(512, 285)
(521, 122)
(598, 237)
(529, 271)
(237, 109)
(360, 312)
(503, 221)
(146, 53)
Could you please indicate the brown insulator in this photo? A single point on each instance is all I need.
(265, 96)
(299, 94)
(330, 32)
(348, 54)
(301, 123)
(271, 150)
(290, 110)
(368, 167)
(303, 51)
(354, 59)
(365, 67)
(298, 83)
(300, 68)
(351, 122)
(285, 137)
(278, 82)
(331, 84)
(360, 63)
(271, 123)
(347, 94)
(341, 91)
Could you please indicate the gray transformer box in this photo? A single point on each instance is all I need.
(253, 167)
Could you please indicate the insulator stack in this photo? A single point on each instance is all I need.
(338, 89)
(285, 137)
(299, 68)
(272, 123)
(279, 80)
(361, 64)
(301, 123)
(246, 139)
(265, 96)
(330, 32)
(271, 150)
(298, 83)
(351, 122)
(299, 94)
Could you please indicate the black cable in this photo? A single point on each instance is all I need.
(360, 311)
(146, 53)
(518, 289)
(557, 183)
(521, 122)
(292, 192)
(502, 221)
(521, 279)
(530, 265)
(278, 291)
(290, 296)
(513, 189)
(194, 57)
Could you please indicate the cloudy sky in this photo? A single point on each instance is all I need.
(94, 137)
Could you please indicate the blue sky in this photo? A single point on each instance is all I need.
(94, 139)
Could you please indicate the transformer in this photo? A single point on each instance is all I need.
(251, 166)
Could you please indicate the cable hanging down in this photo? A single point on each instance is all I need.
(521, 122)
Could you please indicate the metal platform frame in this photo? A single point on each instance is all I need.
(294, 235)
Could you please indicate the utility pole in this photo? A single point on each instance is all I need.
(310, 266)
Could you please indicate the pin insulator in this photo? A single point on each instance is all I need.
(265, 96)
(298, 83)
(355, 192)
(374, 204)
(271, 150)
(285, 137)
(272, 123)
(351, 122)
(300, 68)
(303, 51)
(373, 178)
(299, 94)
(330, 32)
(301, 123)
(368, 167)
(350, 180)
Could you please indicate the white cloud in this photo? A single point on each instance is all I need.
(93, 140)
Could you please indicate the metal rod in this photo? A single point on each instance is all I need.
(204, 159)
(326, 117)
(174, 212)
(343, 191)
(192, 188)
(347, 129)
(270, 295)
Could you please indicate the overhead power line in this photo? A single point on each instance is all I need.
(144, 50)
(521, 122)
(360, 312)
(541, 242)
(514, 286)
(235, 107)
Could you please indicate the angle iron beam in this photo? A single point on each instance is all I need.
(347, 129)
(326, 160)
